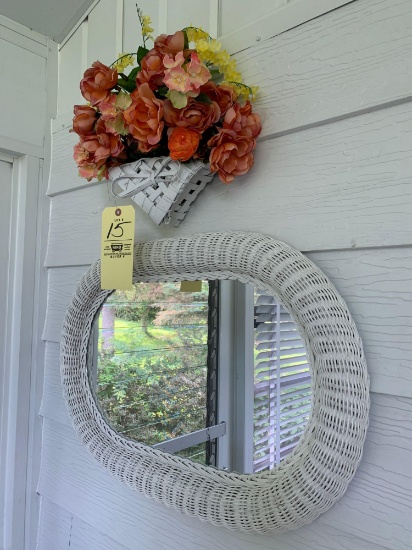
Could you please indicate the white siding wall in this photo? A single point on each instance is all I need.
(333, 179)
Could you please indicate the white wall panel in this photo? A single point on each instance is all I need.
(184, 13)
(62, 284)
(61, 530)
(132, 37)
(69, 473)
(72, 64)
(351, 59)
(376, 285)
(53, 405)
(235, 14)
(22, 94)
(342, 185)
(104, 37)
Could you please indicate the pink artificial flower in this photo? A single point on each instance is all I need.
(172, 43)
(177, 79)
(112, 116)
(171, 63)
(197, 71)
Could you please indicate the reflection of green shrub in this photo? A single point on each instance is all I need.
(152, 378)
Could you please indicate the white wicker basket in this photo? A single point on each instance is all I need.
(162, 187)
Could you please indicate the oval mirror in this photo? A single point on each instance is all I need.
(318, 470)
(161, 377)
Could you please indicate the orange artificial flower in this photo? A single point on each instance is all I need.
(183, 143)
(231, 154)
(145, 118)
(97, 82)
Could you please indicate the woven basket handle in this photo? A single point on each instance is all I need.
(146, 177)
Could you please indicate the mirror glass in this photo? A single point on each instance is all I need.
(161, 376)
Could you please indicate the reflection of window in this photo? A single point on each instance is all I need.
(282, 390)
(152, 364)
(163, 380)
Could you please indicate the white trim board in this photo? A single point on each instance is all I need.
(278, 22)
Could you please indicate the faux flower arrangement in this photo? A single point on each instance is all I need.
(185, 99)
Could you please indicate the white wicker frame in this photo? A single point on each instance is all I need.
(319, 469)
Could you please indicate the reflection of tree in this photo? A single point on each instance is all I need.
(152, 386)
(108, 316)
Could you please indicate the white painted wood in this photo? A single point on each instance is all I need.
(287, 15)
(20, 327)
(61, 174)
(53, 405)
(185, 13)
(69, 31)
(69, 473)
(132, 36)
(72, 64)
(238, 14)
(23, 113)
(47, 17)
(376, 285)
(341, 185)
(104, 39)
(22, 37)
(23, 31)
(62, 283)
(332, 66)
(61, 530)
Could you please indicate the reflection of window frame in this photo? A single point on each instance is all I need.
(229, 431)
(237, 379)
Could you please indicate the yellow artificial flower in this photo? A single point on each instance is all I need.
(123, 61)
(196, 33)
(146, 28)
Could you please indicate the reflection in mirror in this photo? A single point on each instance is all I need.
(153, 370)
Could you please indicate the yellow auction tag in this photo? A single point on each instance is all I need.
(191, 286)
(117, 247)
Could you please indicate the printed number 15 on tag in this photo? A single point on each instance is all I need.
(117, 247)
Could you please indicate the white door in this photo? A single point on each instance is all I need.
(5, 219)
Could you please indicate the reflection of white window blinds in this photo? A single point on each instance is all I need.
(282, 383)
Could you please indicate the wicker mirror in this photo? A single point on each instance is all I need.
(173, 369)
(317, 472)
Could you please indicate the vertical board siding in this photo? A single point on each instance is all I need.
(325, 188)
(185, 13)
(132, 37)
(104, 37)
(23, 114)
(72, 64)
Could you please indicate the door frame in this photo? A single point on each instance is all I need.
(20, 425)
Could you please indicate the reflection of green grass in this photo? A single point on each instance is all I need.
(129, 335)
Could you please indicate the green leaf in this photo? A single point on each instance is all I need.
(162, 91)
(186, 43)
(133, 74)
(141, 52)
(203, 98)
(217, 76)
(118, 125)
(178, 99)
(128, 85)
